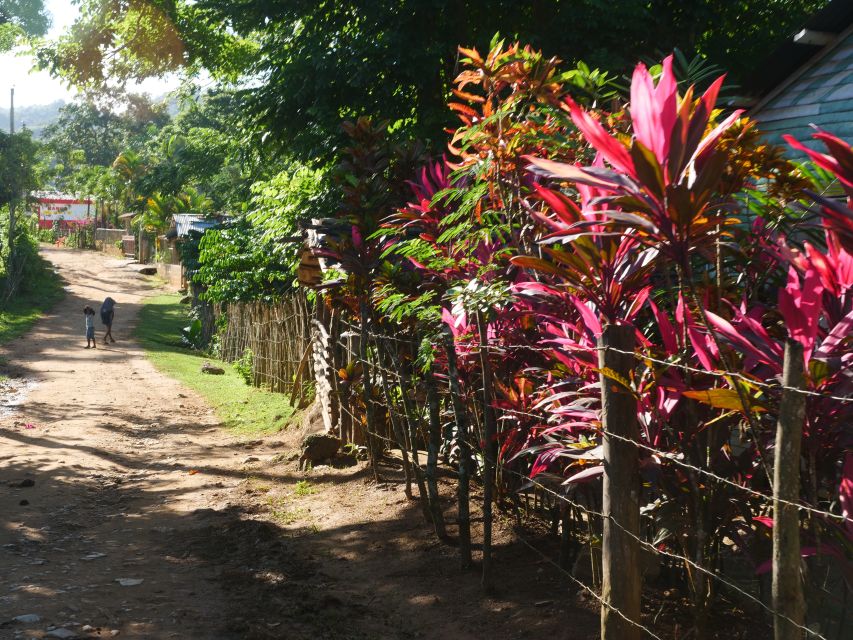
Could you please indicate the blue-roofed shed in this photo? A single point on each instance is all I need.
(808, 80)
(186, 222)
(169, 258)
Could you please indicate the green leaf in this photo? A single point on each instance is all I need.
(722, 399)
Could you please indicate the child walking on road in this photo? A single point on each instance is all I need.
(89, 313)
(108, 312)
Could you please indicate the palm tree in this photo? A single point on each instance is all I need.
(129, 167)
(160, 208)
(191, 201)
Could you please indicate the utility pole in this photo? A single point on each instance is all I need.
(10, 265)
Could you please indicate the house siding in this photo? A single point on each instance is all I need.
(821, 96)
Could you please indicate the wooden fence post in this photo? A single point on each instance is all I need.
(433, 445)
(367, 396)
(620, 583)
(490, 452)
(462, 435)
(399, 430)
(787, 586)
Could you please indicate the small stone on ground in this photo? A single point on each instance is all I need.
(27, 618)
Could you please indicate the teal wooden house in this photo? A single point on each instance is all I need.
(808, 80)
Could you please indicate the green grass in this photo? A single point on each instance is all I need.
(40, 291)
(246, 410)
(303, 488)
(284, 515)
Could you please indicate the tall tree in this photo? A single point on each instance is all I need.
(203, 149)
(17, 158)
(17, 178)
(87, 134)
(21, 18)
(306, 65)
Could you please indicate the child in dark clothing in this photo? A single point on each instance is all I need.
(108, 313)
(89, 313)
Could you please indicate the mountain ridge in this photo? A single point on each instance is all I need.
(34, 117)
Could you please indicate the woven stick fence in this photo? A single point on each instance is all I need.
(276, 338)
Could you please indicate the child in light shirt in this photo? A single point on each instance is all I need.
(89, 313)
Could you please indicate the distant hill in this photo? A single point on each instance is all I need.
(35, 116)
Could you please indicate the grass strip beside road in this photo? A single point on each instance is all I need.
(39, 293)
(244, 409)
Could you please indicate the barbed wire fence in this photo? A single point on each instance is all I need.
(621, 520)
(434, 417)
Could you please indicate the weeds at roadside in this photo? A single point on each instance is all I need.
(38, 293)
(256, 485)
(283, 515)
(304, 488)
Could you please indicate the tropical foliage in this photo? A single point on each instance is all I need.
(478, 268)
(305, 66)
(553, 219)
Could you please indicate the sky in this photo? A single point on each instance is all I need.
(39, 87)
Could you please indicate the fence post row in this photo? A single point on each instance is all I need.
(620, 580)
(787, 585)
(462, 435)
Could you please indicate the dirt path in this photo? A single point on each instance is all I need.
(109, 444)
(133, 480)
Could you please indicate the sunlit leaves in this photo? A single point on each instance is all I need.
(236, 264)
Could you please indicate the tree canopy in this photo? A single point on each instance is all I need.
(21, 17)
(17, 159)
(100, 134)
(303, 66)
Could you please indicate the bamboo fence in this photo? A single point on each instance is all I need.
(279, 338)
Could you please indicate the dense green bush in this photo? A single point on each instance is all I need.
(237, 263)
(36, 286)
(46, 235)
(255, 256)
(245, 366)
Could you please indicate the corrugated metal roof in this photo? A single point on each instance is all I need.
(186, 222)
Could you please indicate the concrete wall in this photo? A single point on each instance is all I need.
(167, 250)
(105, 240)
(171, 273)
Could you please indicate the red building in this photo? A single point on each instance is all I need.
(64, 208)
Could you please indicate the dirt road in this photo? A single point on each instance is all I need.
(126, 511)
(108, 444)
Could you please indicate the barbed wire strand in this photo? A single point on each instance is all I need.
(671, 457)
(667, 455)
(584, 509)
(640, 355)
(586, 588)
(704, 472)
(663, 552)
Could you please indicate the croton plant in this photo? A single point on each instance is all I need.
(561, 211)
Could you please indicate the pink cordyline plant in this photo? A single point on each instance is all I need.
(661, 182)
(839, 161)
(660, 189)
